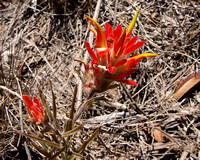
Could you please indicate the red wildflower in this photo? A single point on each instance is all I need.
(35, 109)
(110, 63)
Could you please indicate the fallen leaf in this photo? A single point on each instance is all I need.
(156, 133)
(186, 84)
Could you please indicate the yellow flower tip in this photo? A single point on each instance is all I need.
(132, 24)
(93, 30)
(88, 18)
(147, 55)
(98, 31)
(94, 23)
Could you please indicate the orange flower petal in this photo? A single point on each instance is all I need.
(133, 83)
(100, 38)
(111, 69)
(120, 63)
(28, 102)
(35, 109)
(131, 49)
(131, 42)
(118, 47)
(90, 51)
(124, 75)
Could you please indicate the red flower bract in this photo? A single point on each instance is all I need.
(110, 62)
(35, 109)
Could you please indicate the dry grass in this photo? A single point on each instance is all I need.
(38, 46)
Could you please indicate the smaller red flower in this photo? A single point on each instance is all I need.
(35, 109)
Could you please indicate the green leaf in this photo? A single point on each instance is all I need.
(54, 108)
(73, 131)
(44, 103)
(67, 125)
(41, 150)
(57, 153)
(76, 155)
(86, 105)
(86, 144)
(71, 116)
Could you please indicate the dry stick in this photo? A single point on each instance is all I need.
(11, 24)
(91, 35)
(20, 107)
(152, 79)
(7, 114)
(20, 111)
(106, 118)
(135, 107)
(115, 15)
(21, 120)
(107, 148)
(199, 154)
(47, 13)
(184, 155)
(10, 91)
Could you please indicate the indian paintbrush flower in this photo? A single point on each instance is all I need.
(110, 63)
(35, 109)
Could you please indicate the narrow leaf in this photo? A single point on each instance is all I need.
(90, 51)
(133, 83)
(55, 145)
(46, 107)
(76, 155)
(57, 153)
(67, 125)
(73, 131)
(132, 24)
(71, 116)
(54, 107)
(86, 144)
(132, 48)
(41, 150)
(100, 39)
(53, 101)
(86, 105)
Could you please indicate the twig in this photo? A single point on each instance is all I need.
(107, 148)
(21, 121)
(91, 35)
(10, 91)
(152, 79)
(106, 118)
(135, 107)
(184, 155)
(115, 15)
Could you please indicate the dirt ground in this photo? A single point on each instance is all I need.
(39, 43)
